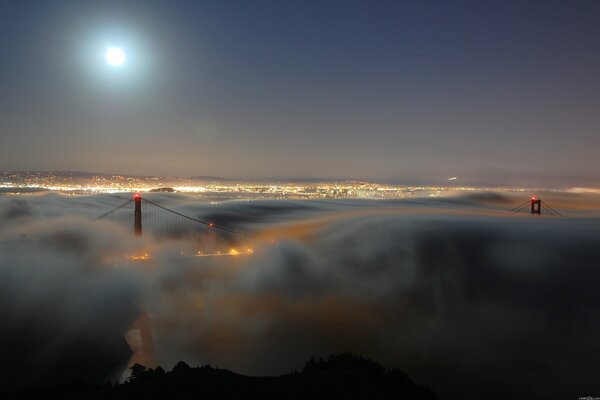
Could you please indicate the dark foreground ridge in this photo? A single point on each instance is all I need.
(342, 376)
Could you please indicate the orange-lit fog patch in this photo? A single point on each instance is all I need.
(140, 340)
(306, 230)
(139, 257)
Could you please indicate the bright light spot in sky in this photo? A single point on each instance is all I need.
(453, 178)
(115, 56)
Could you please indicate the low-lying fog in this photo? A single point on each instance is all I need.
(459, 292)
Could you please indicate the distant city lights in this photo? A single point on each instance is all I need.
(218, 190)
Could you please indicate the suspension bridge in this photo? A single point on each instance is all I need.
(163, 223)
(146, 217)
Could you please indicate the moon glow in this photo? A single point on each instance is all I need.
(115, 57)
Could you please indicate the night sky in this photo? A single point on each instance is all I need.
(494, 92)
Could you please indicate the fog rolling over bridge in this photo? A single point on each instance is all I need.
(411, 186)
(420, 284)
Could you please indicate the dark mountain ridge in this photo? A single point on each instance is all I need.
(342, 376)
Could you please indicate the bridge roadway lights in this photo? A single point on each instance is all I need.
(137, 224)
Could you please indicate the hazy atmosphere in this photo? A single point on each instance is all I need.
(434, 286)
(406, 91)
(299, 199)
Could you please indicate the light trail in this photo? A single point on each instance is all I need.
(245, 253)
(230, 253)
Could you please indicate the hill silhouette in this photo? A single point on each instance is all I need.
(342, 376)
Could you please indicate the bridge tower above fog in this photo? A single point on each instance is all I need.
(535, 207)
(164, 223)
(137, 219)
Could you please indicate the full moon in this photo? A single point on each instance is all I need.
(115, 56)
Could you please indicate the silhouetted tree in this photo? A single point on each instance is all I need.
(338, 376)
(137, 372)
(181, 367)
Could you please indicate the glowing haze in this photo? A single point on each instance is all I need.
(404, 99)
(458, 292)
(494, 92)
